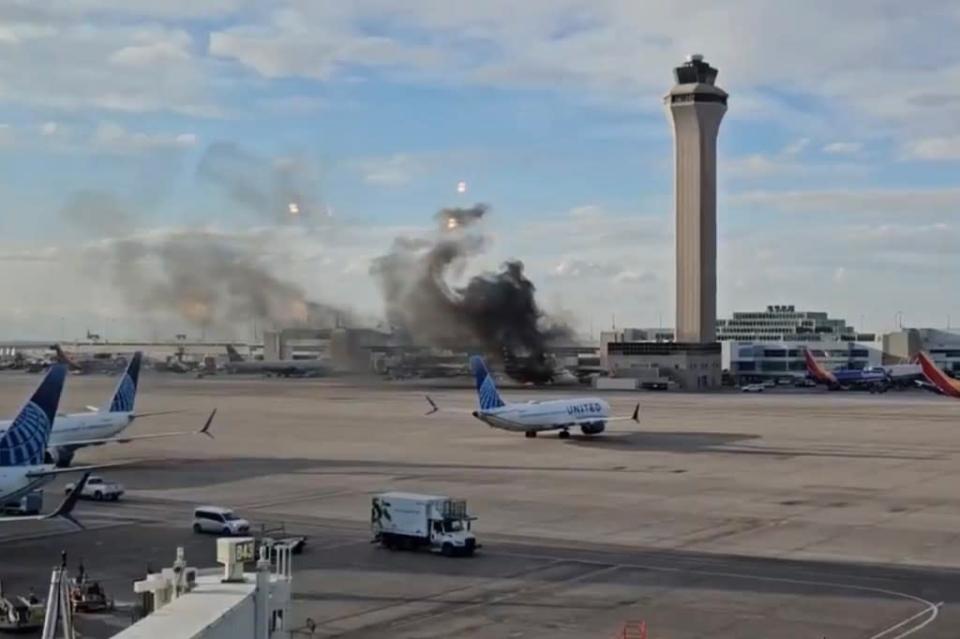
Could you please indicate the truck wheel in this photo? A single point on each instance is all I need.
(530, 434)
(98, 496)
(447, 550)
(564, 434)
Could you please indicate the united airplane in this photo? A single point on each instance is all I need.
(590, 414)
(103, 425)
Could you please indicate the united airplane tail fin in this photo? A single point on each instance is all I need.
(487, 395)
(233, 355)
(25, 441)
(125, 395)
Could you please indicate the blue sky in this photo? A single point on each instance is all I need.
(839, 155)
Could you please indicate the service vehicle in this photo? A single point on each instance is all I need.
(29, 504)
(753, 388)
(98, 488)
(408, 521)
(20, 615)
(218, 520)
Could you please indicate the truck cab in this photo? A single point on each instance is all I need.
(452, 536)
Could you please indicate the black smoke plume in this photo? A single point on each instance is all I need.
(210, 281)
(496, 312)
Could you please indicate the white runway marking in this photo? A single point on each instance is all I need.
(930, 608)
(933, 610)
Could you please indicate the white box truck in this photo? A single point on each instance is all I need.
(407, 521)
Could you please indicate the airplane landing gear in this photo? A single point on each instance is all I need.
(564, 434)
(530, 434)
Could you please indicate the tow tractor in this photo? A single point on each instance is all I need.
(22, 614)
(87, 595)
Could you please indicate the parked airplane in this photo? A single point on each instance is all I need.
(876, 381)
(89, 364)
(103, 425)
(22, 445)
(943, 382)
(589, 413)
(282, 367)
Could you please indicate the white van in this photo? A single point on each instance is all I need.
(222, 521)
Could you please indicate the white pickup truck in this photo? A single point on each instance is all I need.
(408, 521)
(98, 488)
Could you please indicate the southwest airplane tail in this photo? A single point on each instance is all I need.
(816, 370)
(126, 392)
(25, 441)
(946, 384)
(487, 396)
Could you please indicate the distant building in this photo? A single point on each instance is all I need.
(942, 346)
(762, 361)
(786, 323)
(631, 354)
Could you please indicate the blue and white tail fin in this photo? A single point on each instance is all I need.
(487, 395)
(126, 393)
(25, 441)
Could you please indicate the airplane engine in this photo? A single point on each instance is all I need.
(593, 428)
(59, 456)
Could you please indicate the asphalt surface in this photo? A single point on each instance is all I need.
(786, 515)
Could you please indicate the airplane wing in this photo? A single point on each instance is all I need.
(63, 511)
(50, 472)
(434, 408)
(125, 439)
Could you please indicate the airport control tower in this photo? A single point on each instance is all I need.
(696, 106)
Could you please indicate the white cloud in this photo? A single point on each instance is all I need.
(796, 147)
(56, 63)
(112, 137)
(940, 148)
(152, 50)
(869, 200)
(596, 46)
(842, 148)
(295, 104)
(48, 129)
(758, 165)
(391, 171)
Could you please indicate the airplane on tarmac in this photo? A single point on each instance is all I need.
(590, 414)
(873, 380)
(104, 425)
(22, 445)
(281, 367)
(943, 382)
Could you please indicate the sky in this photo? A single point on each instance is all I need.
(135, 120)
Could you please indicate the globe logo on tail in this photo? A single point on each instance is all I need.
(25, 441)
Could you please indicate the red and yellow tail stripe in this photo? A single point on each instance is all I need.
(946, 384)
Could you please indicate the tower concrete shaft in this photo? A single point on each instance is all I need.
(696, 107)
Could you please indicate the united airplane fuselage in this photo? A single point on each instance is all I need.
(68, 428)
(547, 415)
